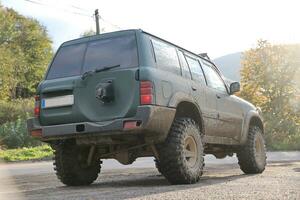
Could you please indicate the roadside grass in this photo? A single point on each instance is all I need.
(45, 152)
(284, 147)
(291, 143)
(23, 154)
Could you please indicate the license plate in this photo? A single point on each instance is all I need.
(60, 101)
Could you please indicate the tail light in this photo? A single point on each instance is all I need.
(146, 92)
(36, 133)
(131, 124)
(37, 107)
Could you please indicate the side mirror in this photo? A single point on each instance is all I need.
(234, 87)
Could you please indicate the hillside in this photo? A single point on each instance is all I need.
(230, 65)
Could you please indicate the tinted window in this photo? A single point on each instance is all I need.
(184, 66)
(166, 56)
(212, 77)
(110, 52)
(120, 50)
(67, 61)
(195, 69)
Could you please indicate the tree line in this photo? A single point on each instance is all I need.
(25, 50)
(270, 78)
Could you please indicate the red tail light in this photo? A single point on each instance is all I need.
(36, 133)
(146, 92)
(37, 106)
(131, 124)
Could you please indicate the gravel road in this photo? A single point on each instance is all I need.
(222, 179)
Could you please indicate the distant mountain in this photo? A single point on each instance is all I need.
(230, 65)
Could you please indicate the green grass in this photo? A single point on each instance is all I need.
(34, 153)
(291, 143)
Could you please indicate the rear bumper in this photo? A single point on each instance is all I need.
(155, 121)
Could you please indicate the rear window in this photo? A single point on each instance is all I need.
(76, 59)
(110, 52)
(67, 62)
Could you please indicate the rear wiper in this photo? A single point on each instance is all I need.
(88, 73)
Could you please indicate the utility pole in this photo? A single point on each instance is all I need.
(97, 21)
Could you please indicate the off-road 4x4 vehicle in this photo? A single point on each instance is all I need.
(130, 94)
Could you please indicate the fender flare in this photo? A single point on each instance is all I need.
(249, 116)
(180, 97)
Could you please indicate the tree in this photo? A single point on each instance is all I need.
(88, 33)
(91, 32)
(268, 78)
(25, 51)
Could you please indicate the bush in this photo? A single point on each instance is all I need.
(289, 143)
(11, 111)
(35, 153)
(15, 135)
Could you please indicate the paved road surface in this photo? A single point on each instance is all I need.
(222, 180)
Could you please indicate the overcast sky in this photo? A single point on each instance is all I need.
(215, 26)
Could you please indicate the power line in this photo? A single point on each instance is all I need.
(83, 13)
(63, 9)
(82, 9)
(116, 26)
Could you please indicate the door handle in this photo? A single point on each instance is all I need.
(194, 88)
(218, 96)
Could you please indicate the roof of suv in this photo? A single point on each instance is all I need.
(116, 33)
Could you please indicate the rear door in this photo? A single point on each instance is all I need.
(68, 97)
(203, 96)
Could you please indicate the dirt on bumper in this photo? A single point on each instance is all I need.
(153, 121)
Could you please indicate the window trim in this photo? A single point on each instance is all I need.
(153, 52)
(196, 59)
(217, 72)
(170, 45)
(183, 53)
(181, 73)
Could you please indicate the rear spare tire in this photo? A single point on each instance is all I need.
(181, 154)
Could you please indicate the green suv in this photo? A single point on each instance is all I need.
(130, 94)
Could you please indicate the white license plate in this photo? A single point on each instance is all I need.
(60, 101)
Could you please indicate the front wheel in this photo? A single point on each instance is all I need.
(252, 156)
(181, 155)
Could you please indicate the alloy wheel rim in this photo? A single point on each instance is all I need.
(259, 149)
(190, 150)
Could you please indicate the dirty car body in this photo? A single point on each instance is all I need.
(119, 93)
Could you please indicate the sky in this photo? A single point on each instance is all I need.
(217, 27)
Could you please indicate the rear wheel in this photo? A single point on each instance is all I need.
(181, 155)
(71, 165)
(252, 156)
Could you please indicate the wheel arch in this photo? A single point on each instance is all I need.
(190, 110)
(252, 118)
(255, 120)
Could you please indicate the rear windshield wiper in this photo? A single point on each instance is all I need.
(88, 73)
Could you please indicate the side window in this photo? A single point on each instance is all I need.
(184, 66)
(196, 70)
(212, 77)
(166, 56)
